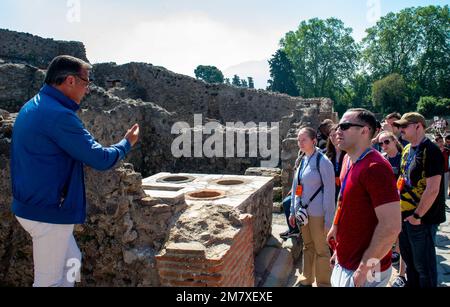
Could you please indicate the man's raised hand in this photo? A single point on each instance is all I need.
(133, 135)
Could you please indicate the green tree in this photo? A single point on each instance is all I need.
(251, 83)
(432, 72)
(391, 45)
(414, 43)
(357, 93)
(323, 55)
(244, 83)
(209, 74)
(282, 75)
(391, 94)
(236, 81)
(433, 106)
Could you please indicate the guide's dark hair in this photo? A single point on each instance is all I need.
(63, 66)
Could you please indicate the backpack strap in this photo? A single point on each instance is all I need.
(320, 189)
(320, 156)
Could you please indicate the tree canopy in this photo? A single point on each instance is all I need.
(323, 54)
(404, 56)
(282, 75)
(209, 74)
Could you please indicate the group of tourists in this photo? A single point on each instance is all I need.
(371, 198)
(357, 208)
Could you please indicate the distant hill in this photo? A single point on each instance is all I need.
(259, 70)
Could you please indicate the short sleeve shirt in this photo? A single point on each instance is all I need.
(427, 161)
(370, 183)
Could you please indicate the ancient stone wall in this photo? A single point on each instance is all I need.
(25, 48)
(18, 83)
(186, 96)
(123, 233)
(269, 172)
(126, 230)
(108, 118)
(209, 246)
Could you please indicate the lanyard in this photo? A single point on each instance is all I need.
(336, 167)
(409, 160)
(302, 169)
(344, 183)
(408, 164)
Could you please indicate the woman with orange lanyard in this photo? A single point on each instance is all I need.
(336, 157)
(313, 189)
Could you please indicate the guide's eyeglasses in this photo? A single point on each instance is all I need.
(87, 81)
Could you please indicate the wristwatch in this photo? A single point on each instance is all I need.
(416, 216)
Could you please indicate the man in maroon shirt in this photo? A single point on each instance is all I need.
(368, 219)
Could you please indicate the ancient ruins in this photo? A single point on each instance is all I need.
(158, 220)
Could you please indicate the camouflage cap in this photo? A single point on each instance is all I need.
(411, 118)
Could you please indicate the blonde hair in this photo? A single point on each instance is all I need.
(393, 138)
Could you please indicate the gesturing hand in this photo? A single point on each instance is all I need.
(133, 135)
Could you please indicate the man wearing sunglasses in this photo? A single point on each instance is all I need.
(49, 149)
(388, 125)
(367, 220)
(422, 201)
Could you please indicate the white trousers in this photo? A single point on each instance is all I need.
(56, 256)
(344, 278)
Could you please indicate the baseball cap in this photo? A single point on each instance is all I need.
(411, 118)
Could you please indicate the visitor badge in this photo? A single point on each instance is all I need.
(338, 181)
(401, 183)
(299, 190)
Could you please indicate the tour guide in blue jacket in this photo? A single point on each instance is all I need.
(49, 147)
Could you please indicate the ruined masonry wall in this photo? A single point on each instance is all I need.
(34, 50)
(122, 235)
(186, 96)
(204, 259)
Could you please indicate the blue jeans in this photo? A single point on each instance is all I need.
(418, 251)
(434, 229)
(287, 212)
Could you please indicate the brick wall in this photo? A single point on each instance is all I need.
(187, 265)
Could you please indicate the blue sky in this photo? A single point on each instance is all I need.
(180, 34)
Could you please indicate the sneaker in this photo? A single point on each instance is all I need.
(395, 258)
(399, 282)
(289, 234)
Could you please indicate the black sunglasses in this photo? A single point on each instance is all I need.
(404, 126)
(346, 126)
(385, 142)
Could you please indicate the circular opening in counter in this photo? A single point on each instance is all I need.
(175, 179)
(229, 182)
(205, 195)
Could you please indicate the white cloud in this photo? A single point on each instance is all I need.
(180, 42)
